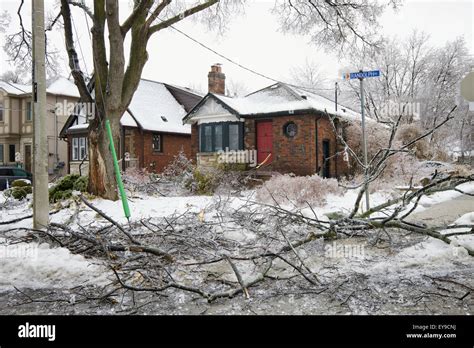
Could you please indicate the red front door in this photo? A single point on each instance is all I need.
(264, 141)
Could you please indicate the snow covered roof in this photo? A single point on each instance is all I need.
(78, 127)
(156, 107)
(63, 86)
(282, 98)
(127, 120)
(15, 88)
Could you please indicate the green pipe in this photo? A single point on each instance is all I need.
(123, 196)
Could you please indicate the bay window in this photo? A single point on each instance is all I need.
(214, 137)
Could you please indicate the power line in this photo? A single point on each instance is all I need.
(79, 42)
(230, 60)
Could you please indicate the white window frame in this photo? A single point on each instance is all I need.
(75, 149)
(2, 113)
(79, 148)
(82, 148)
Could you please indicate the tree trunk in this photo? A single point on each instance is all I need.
(102, 181)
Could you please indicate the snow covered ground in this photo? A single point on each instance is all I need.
(40, 266)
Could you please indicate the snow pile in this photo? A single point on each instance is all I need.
(36, 265)
(152, 207)
(432, 254)
(463, 240)
(466, 219)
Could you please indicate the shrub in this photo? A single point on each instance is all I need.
(66, 182)
(81, 184)
(377, 138)
(63, 189)
(180, 171)
(400, 168)
(57, 196)
(409, 132)
(20, 183)
(135, 176)
(204, 182)
(18, 193)
(299, 190)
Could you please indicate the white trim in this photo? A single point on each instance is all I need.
(216, 118)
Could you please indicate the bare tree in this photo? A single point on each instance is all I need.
(404, 66)
(14, 76)
(116, 77)
(115, 84)
(18, 45)
(117, 70)
(334, 24)
(309, 75)
(441, 89)
(419, 82)
(236, 88)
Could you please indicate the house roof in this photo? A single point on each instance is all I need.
(60, 86)
(185, 96)
(155, 106)
(278, 98)
(63, 86)
(15, 88)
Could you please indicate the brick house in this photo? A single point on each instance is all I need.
(152, 130)
(289, 127)
(16, 123)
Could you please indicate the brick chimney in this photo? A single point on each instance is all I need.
(216, 80)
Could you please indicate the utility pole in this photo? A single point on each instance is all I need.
(40, 142)
(364, 142)
(335, 95)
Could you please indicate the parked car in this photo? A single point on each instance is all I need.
(10, 174)
(442, 168)
(427, 170)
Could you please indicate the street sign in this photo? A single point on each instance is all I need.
(361, 74)
(467, 87)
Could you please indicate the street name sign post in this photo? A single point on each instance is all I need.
(361, 75)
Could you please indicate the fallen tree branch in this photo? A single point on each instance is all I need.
(109, 219)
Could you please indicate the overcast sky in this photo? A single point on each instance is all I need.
(254, 40)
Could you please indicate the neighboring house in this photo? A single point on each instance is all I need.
(152, 129)
(288, 127)
(16, 123)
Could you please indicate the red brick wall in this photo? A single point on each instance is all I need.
(298, 154)
(172, 144)
(293, 155)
